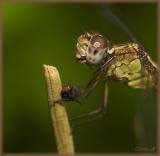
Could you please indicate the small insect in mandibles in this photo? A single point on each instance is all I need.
(128, 64)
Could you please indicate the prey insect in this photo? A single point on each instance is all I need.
(128, 64)
(71, 93)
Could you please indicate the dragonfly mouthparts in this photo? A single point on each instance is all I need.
(81, 59)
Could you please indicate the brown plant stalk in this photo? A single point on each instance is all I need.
(59, 116)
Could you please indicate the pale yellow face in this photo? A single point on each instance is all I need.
(91, 48)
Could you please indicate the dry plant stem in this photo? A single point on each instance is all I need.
(58, 112)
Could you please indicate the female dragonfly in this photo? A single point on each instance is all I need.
(128, 64)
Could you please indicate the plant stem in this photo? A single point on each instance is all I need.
(59, 116)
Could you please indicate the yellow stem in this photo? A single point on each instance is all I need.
(59, 116)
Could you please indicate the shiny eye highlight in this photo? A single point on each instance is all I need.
(98, 42)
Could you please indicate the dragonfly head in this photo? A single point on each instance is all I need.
(91, 48)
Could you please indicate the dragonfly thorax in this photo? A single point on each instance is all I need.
(91, 48)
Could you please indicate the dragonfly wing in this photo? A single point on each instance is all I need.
(145, 116)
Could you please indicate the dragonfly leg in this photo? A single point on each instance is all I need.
(99, 112)
(78, 93)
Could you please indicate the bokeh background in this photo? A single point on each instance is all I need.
(46, 33)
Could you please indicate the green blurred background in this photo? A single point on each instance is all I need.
(46, 33)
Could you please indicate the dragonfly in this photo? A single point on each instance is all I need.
(128, 64)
